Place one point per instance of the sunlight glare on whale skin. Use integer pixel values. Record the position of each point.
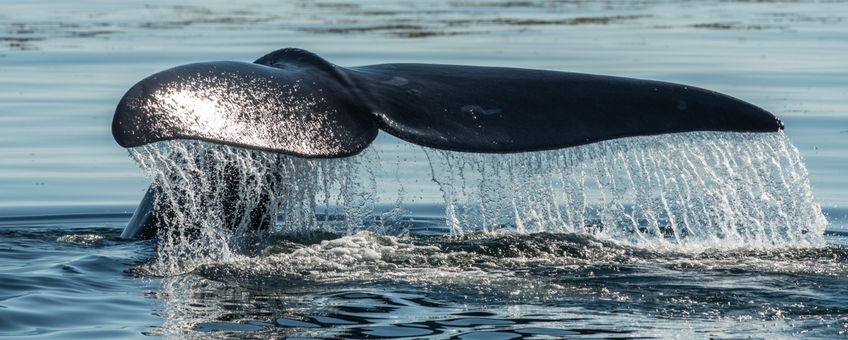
(242, 104)
(223, 108)
(195, 110)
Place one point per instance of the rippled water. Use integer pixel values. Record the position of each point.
(66, 189)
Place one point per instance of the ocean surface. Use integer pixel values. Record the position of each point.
(686, 237)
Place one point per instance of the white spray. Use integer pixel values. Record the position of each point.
(681, 191)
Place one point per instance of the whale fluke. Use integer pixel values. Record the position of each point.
(294, 102)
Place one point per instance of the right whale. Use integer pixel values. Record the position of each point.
(294, 102)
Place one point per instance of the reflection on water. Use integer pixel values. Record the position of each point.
(363, 313)
(371, 285)
(539, 284)
(69, 281)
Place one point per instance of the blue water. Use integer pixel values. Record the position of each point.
(66, 189)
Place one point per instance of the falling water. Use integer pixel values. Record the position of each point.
(680, 191)
(213, 192)
(700, 188)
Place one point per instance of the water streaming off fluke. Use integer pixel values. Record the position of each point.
(700, 188)
(680, 191)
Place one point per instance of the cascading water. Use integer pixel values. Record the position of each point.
(211, 193)
(680, 191)
(699, 188)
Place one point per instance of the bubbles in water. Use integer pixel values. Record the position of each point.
(81, 239)
(676, 191)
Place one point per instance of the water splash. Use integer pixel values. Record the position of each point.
(212, 193)
(713, 189)
(678, 191)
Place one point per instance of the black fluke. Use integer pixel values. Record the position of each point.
(294, 102)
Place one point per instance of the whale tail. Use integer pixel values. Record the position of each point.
(294, 102)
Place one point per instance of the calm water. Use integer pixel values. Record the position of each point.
(66, 189)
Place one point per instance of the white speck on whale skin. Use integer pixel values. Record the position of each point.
(396, 81)
(477, 109)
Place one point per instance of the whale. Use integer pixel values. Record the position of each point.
(292, 101)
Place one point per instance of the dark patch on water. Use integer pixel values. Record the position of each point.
(447, 27)
(599, 20)
(735, 26)
(398, 30)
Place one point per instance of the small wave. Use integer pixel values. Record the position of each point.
(82, 239)
(486, 257)
(317, 279)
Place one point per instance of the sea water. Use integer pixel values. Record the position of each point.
(700, 235)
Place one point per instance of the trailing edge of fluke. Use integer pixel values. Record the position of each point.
(294, 102)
